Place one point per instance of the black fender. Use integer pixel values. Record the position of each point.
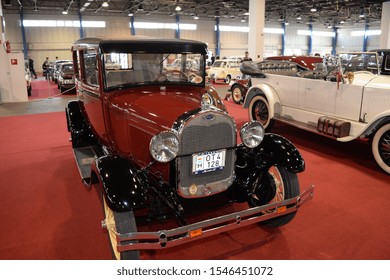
(252, 163)
(122, 184)
(282, 152)
(77, 126)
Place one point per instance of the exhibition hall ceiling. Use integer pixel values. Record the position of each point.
(318, 12)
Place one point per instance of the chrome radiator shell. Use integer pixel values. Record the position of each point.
(208, 130)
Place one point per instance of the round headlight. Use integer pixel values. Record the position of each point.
(164, 146)
(252, 133)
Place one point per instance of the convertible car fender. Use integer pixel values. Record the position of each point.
(121, 183)
(372, 126)
(266, 91)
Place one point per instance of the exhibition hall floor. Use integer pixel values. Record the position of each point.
(47, 213)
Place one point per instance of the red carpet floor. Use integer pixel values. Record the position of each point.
(42, 88)
(47, 214)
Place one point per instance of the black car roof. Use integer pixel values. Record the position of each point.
(142, 44)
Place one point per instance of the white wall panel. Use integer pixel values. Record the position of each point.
(56, 41)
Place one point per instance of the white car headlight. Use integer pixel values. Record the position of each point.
(252, 133)
(164, 146)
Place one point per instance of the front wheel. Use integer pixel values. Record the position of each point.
(119, 222)
(259, 111)
(277, 185)
(237, 93)
(381, 147)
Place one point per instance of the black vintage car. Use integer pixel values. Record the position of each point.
(158, 145)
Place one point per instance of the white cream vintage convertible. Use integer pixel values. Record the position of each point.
(351, 101)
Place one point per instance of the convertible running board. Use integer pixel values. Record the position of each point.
(178, 236)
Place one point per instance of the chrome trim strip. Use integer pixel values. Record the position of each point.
(181, 235)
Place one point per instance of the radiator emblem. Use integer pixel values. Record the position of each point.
(209, 117)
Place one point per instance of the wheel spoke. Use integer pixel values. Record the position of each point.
(384, 148)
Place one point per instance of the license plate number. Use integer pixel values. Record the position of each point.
(208, 161)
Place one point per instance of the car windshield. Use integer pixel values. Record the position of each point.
(219, 63)
(68, 68)
(132, 69)
(352, 62)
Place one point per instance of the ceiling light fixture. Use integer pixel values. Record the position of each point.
(65, 12)
(196, 17)
(177, 8)
(313, 9)
(130, 14)
(105, 4)
(299, 17)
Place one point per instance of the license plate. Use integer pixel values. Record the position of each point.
(208, 161)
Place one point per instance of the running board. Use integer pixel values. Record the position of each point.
(301, 125)
(180, 235)
(84, 158)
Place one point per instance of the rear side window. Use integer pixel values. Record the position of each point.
(91, 75)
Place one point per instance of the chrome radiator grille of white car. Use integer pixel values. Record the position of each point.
(207, 132)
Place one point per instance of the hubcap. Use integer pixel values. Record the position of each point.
(237, 94)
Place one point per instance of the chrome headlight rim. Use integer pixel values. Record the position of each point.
(164, 146)
(252, 134)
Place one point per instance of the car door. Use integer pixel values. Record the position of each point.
(319, 96)
(89, 91)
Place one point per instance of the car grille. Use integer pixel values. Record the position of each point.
(208, 131)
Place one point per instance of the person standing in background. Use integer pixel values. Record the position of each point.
(246, 57)
(45, 67)
(31, 67)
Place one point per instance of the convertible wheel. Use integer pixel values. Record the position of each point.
(119, 222)
(381, 147)
(228, 79)
(237, 94)
(259, 111)
(278, 185)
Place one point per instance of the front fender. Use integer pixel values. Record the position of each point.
(264, 90)
(282, 152)
(122, 184)
(252, 163)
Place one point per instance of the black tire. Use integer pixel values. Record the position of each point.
(280, 185)
(121, 222)
(237, 93)
(228, 79)
(61, 89)
(259, 111)
(29, 90)
(381, 147)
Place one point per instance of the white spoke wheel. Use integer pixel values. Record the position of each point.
(381, 147)
(237, 94)
(259, 111)
(228, 79)
(119, 222)
(279, 185)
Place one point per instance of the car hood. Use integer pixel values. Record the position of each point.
(158, 108)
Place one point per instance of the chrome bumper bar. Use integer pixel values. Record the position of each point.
(177, 236)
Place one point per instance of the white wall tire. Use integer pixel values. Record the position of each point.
(381, 147)
(259, 110)
(119, 222)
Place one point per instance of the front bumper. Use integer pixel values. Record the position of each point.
(178, 236)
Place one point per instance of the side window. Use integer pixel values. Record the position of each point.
(387, 62)
(91, 75)
(76, 63)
